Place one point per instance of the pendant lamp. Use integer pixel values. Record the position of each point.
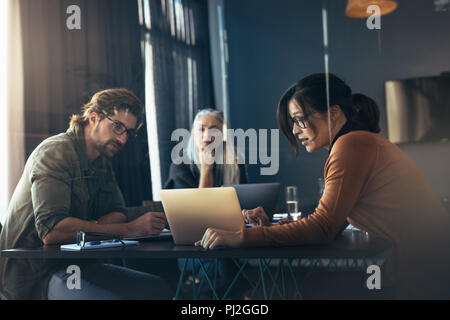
(358, 8)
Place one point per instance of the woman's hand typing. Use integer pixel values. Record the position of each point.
(256, 217)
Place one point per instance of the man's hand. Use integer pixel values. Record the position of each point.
(216, 238)
(148, 223)
(256, 217)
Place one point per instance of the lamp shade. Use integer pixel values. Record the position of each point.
(358, 8)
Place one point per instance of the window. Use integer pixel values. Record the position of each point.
(175, 47)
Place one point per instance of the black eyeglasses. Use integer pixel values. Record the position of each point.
(119, 128)
(299, 121)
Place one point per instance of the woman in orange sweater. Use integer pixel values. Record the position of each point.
(369, 182)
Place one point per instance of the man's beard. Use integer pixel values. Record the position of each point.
(106, 151)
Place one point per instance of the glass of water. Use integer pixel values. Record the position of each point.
(292, 202)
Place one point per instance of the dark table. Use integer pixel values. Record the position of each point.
(350, 244)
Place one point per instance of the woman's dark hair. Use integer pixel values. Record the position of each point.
(310, 93)
(367, 113)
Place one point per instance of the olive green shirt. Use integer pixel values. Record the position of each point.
(57, 182)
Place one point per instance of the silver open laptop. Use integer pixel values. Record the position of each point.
(190, 212)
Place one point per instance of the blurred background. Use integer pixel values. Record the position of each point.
(238, 56)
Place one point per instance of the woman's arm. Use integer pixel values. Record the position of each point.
(346, 174)
(206, 170)
(206, 177)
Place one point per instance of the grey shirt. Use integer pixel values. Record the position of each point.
(57, 182)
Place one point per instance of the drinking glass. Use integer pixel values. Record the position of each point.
(292, 202)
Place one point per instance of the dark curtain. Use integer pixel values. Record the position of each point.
(63, 68)
(177, 31)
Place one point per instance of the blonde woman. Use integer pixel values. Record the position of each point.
(203, 171)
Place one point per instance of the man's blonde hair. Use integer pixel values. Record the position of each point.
(109, 102)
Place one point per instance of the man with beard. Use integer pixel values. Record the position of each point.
(67, 186)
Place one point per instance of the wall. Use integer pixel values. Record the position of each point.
(63, 68)
(274, 43)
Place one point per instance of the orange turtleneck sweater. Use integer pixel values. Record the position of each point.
(373, 185)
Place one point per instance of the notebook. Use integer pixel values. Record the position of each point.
(104, 244)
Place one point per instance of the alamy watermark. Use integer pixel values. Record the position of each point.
(374, 280)
(73, 22)
(374, 21)
(74, 280)
(235, 148)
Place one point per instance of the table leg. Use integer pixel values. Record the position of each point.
(180, 281)
(274, 280)
(241, 268)
(207, 279)
(261, 272)
(194, 292)
(282, 280)
(294, 278)
(244, 274)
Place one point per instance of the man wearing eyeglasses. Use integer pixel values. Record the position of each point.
(68, 186)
